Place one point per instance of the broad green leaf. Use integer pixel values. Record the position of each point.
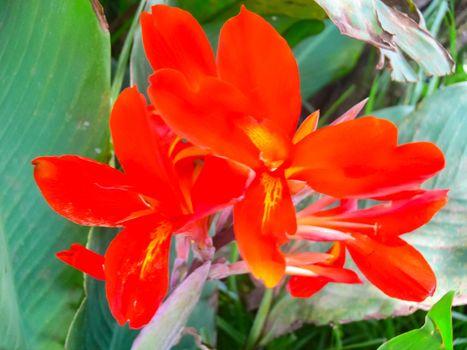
(393, 32)
(165, 328)
(325, 58)
(396, 114)
(436, 333)
(207, 10)
(441, 119)
(301, 30)
(301, 9)
(55, 78)
(94, 327)
(441, 316)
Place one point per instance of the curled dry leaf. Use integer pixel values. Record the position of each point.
(396, 34)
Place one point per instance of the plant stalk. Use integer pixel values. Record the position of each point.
(260, 320)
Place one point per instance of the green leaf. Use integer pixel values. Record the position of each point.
(301, 9)
(301, 30)
(441, 316)
(440, 118)
(94, 327)
(325, 58)
(207, 10)
(165, 328)
(393, 32)
(55, 78)
(202, 319)
(436, 333)
(396, 114)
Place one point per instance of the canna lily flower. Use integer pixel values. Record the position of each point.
(372, 237)
(161, 190)
(244, 105)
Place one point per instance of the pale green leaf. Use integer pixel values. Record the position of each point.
(324, 58)
(165, 328)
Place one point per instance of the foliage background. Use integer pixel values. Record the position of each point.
(61, 67)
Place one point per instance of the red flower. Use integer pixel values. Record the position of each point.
(161, 190)
(374, 242)
(245, 104)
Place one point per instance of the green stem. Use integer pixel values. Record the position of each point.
(260, 320)
(372, 96)
(125, 54)
(337, 332)
(233, 286)
(326, 117)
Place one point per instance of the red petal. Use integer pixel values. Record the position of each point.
(85, 191)
(210, 117)
(336, 274)
(136, 271)
(141, 151)
(401, 217)
(328, 271)
(84, 260)
(399, 270)
(257, 60)
(406, 194)
(360, 158)
(172, 38)
(304, 286)
(219, 184)
(261, 222)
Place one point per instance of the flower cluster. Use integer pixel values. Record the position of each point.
(221, 132)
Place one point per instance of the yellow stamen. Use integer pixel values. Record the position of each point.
(160, 235)
(273, 149)
(174, 143)
(272, 195)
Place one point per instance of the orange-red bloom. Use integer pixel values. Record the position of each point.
(213, 122)
(244, 105)
(161, 190)
(374, 242)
